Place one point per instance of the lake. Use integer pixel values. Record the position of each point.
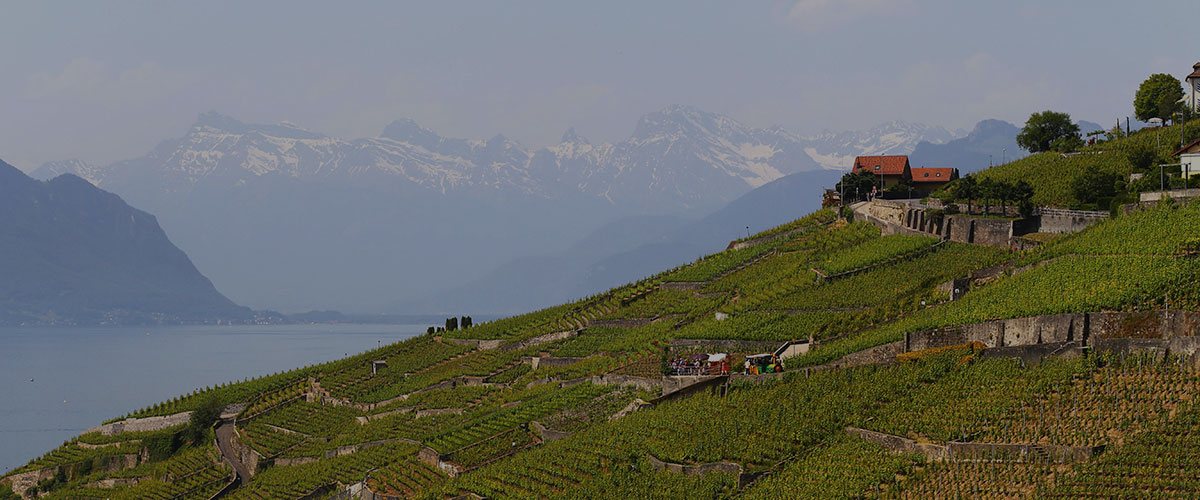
(57, 382)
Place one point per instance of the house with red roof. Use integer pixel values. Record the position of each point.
(889, 169)
(930, 179)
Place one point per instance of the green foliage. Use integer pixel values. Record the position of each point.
(845, 468)
(1066, 143)
(989, 191)
(874, 252)
(1095, 189)
(856, 187)
(1157, 97)
(717, 264)
(1141, 157)
(809, 222)
(162, 447)
(1043, 129)
(203, 418)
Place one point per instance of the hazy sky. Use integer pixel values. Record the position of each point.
(103, 81)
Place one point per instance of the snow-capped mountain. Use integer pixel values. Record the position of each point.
(80, 168)
(836, 150)
(678, 158)
(283, 217)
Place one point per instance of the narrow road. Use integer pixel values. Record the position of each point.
(224, 444)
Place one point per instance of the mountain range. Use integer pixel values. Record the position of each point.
(71, 253)
(287, 218)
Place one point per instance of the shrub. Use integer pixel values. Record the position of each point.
(203, 417)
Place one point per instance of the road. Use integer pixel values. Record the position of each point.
(225, 431)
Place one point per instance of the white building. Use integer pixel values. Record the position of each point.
(1189, 159)
(1193, 83)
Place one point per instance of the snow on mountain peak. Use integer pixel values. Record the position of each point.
(678, 156)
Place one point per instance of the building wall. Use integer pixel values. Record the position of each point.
(1190, 164)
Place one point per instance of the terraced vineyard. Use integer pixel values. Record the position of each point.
(545, 404)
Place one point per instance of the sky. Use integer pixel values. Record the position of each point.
(105, 81)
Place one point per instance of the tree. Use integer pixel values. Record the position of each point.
(1157, 97)
(1041, 129)
(1141, 156)
(987, 191)
(1096, 188)
(1022, 195)
(1066, 144)
(203, 418)
(855, 187)
(965, 189)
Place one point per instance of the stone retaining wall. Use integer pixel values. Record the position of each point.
(535, 362)
(960, 451)
(677, 387)
(621, 323)
(683, 285)
(432, 458)
(695, 470)
(1099, 329)
(145, 424)
(643, 383)
(541, 339)
(1068, 221)
(901, 444)
(245, 454)
(547, 434)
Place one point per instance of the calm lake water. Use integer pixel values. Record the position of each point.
(56, 382)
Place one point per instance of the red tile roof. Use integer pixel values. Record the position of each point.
(881, 165)
(934, 174)
(1195, 72)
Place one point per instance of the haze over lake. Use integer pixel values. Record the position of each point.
(57, 382)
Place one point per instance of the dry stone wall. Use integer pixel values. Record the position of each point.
(146, 424)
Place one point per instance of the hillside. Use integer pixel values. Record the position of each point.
(1060, 367)
(73, 254)
(628, 249)
(1052, 174)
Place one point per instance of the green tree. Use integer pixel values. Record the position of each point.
(987, 192)
(855, 186)
(1066, 144)
(1141, 156)
(1157, 97)
(1022, 196)
(1041, 129)
(203, 418)
(965, 188)
(1096, 188)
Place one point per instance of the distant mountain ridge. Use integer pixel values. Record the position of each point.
(990, 142)
(73, 254)
(630, 248)
(667, 148)
(286, 218)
